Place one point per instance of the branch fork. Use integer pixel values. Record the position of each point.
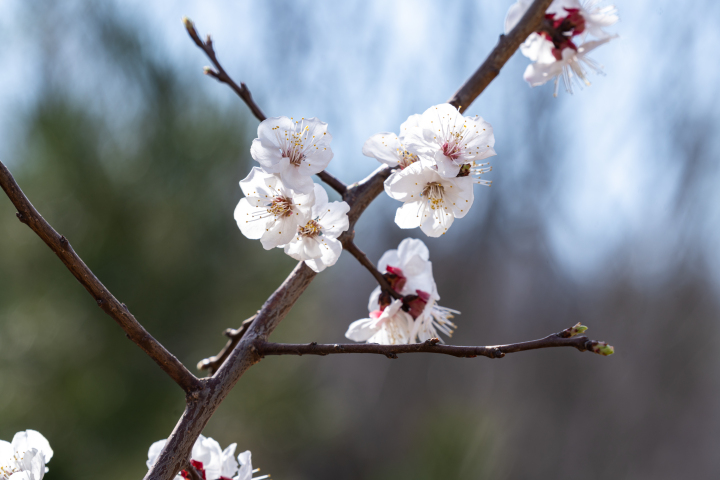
(248, 344)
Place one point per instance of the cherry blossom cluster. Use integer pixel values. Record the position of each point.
(212, 462)
(25, 457)
(415, 317)
(439, 158)
(561, 47)
(282, 207)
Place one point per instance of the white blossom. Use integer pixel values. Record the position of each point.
(556, 49)
(430, 201)
(271, 211)
(246, 471)
(206, 457)
(293, 149)
(389, 326)
(389, 148)
(316, 241)
(25, 457)
(452, 143)
(595, 18)
(571, 67)
(417, 317)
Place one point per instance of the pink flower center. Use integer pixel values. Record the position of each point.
(561, 30)
(395, 278)
(415, 304)
(452, 150)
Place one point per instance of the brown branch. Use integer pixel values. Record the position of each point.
(213, 363)
(243, 92)
(105, 300)
(505, 48)
(221, 75)
(333, 182)
(432, 345)
(350, 246)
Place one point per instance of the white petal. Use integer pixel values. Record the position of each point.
(245, 460)
(436, 223)
(413, 121)
(410, 215)
(273, 129)
(446, 167)
(279, 232)
(29, 439)
(411, 247)
(362, 330)
(515, 13)
(384, 147)
(229, 463)
(334, 219)
(321, 200)
(249, 220)
(295, 179)
(265, 153)
(408, 184)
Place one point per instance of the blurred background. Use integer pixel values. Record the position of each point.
(604, 210)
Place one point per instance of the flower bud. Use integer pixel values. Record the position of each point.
(577, 329)
(602, 348)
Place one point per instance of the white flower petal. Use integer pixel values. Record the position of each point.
(334, 219)
(265, 153)
(384, 147)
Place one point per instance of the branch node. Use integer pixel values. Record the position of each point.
(391, 355)
(497, 353)
(21, 217)
(432, 341)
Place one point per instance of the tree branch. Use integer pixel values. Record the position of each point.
(243, 92)
(350, 246)
(213, 363)
(505, 48)
(105, 300)
(433, 345)
(221, 75)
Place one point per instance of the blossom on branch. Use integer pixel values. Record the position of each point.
(270, 211)
(293, 149)
(416, 317)
(430, 201)
(316, 241)
(389, 148)
(556, 49)
(25, 457)
(210, 461)
(452, 144)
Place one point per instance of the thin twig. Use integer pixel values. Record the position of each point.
(105, 300)
(365, 262)
(432, 345)
(243, 92)
(505, 48)
(213, 363)
(221, 75)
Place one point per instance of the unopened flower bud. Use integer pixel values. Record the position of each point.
(602, 348)
(189, 25)
(577, 329)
